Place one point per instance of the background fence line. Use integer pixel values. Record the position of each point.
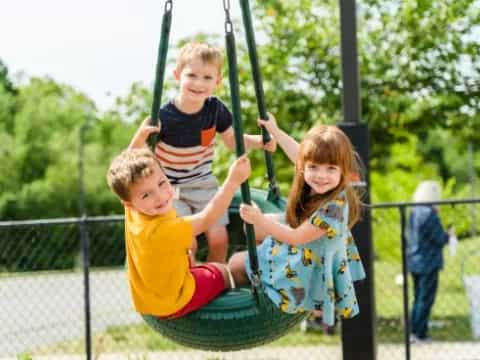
(63, 284)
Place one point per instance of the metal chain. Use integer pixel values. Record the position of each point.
(168, 5)
(228, 21)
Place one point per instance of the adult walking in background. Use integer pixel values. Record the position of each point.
(426, 239)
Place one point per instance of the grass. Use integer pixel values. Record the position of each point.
(450, 317)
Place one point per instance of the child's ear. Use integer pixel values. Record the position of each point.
(219, 79)
(126, 203)
(176, 74)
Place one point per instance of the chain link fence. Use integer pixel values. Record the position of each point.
(55, 295)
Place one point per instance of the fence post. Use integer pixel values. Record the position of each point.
(403, 224)
(86, 283)
(84, 243)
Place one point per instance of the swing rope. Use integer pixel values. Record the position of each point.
(239, 142)
(274, 192)
(160, 69)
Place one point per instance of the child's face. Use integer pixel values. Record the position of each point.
(197, 80)
(152, 195)
(322, 177)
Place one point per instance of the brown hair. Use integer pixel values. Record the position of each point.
(323, 144)
(127, 168)
(199, 51)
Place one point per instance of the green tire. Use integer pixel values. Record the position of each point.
(235, 320)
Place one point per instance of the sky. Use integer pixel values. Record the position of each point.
(99, 47)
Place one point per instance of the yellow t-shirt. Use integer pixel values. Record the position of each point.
(158, 268)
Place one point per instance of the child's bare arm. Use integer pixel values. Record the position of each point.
(251, 141)
(260, 233)
(140, 137)
(303, 234)
(256, 142)
(238, 173)
(288, 144)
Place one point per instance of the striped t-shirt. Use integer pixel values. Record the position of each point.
(186, 141)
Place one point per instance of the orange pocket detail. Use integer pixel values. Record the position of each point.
(207, 136)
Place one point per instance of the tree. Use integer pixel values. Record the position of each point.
(5, 81)
(419, 63)
(41, 152)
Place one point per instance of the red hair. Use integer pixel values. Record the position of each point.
(323, 144)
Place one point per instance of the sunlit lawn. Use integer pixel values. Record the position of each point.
(451, 315)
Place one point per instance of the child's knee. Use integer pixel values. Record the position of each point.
(233, 261)
(227, 279)
(236, 264)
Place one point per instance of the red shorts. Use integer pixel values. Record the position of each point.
(209, 283)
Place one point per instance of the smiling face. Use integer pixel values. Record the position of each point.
(321, 178)
(197, 81)
(151, 195)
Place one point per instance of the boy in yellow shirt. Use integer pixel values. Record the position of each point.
(161, 278)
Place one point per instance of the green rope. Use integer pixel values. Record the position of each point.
(240, 147)
(274, 192)
(160, 69)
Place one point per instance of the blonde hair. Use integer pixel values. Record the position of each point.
(199, 51)
(427, 191)
(127, 168)
(323, 144)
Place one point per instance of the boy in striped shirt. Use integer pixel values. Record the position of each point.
(188, 125)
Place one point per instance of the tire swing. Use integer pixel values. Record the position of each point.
(240, 318)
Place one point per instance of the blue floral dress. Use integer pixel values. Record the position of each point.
(318, 275)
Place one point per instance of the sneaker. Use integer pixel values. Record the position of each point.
(303, 326)
(414, 339)
(425, 340)
(311, 325)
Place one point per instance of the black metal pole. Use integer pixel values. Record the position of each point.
(84, 241)
(403, 224)
(350, 77)
(358, 334)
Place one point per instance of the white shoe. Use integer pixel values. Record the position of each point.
(414, 339)
(304, 326)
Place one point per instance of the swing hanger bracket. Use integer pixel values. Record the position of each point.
(228, 21)
(168, 6)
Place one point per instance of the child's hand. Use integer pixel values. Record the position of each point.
(250, 214)
(270, 124)
(240, 170)
(139, 140)
(271, 146)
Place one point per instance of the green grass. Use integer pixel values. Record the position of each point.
(451, 314)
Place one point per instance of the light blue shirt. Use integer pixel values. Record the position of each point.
(318, 275)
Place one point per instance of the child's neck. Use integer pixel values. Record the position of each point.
(186, 106)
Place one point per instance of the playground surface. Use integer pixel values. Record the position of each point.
(430, 351)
